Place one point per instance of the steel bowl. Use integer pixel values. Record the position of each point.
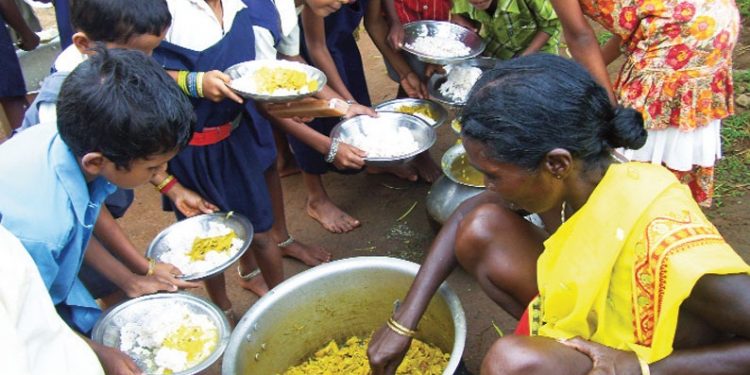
(197, 226)
(107, 329)
(438, 79)
(454, 152)
(249, 67)
(446, 30)
(335, 301)
(393, 105)
(358, 127)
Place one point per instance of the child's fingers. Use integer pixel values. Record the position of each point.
(228, 93)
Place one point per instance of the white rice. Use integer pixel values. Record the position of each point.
(459, 83)
(180, 247)
(246, 83)
(384, 141)
(142, 340)
(439, 46)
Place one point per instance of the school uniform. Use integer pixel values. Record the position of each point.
(49, 206)
(11, 78)
(233, 144)
(339, 29)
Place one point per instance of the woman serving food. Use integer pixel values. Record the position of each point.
(635, 280)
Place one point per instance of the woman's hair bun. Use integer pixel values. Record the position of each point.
(626, 129)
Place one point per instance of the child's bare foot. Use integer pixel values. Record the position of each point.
(287, 167)
(331, 217)
(255, 284)
(407, 172)
(427, 168)
(310, 255)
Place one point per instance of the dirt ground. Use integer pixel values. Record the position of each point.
(380, 233)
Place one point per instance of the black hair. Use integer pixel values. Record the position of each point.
(123, 104)
(119, 20)
(530, 105)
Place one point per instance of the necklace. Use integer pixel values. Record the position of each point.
(562, 212)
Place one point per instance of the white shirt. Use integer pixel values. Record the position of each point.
(289, 44)
(35, 340)
(195, 26)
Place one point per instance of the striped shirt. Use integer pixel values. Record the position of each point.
(418, 10)
(513, 26)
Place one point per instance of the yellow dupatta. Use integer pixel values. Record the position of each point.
(618, 270)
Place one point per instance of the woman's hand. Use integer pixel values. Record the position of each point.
(413, 86)
(215, 87)
(359, 109)
(189, 202)
(607, 361)
(113, 361)
(386, 351)
(349, 157)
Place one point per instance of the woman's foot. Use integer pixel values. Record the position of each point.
(253, 282)
(310, 255)
(407, 171)
(331, 217)
(427, 169)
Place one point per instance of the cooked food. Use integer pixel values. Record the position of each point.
(460, 81)
(351, 359)
(456, 126)
(462, 170)
(276, 81)
(423, 111)
(197, 254)
(439, 47)
(383, 141)
(169, 340)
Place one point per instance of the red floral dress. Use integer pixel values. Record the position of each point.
(678, 68)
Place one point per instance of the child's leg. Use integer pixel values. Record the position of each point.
(308, 254)
(14, 107)
(321, 208)
(268, 257)
(285, 163)
(217, 291)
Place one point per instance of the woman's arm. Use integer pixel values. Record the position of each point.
(315, 40)
(611, 49)
(582, 41)
(387, 349)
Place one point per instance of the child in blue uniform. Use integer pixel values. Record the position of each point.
(109, 133)
(232, 145)
(135, 24)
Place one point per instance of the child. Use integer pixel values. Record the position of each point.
(511, 27)
(232, 147)
(136, 24)
(12, 86)
(109, 133)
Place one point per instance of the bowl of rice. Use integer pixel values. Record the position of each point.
(429, 111)
(391, 138)
(275, 80)
(441, 42)
(203, 245)
(166, 333)
(453, 87)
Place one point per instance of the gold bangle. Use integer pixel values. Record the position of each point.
(645, 370)
(164, 183)
(199, 84)
(399, 328)
(151, 266)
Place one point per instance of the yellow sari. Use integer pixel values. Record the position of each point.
(618, 270)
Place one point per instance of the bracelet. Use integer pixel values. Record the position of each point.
(199, 83)
(182, 81)
(250, 275)
(151, 266)
(399, 329)
(645, 370)
(286, 242)
(192, 89)
(333, 150)
(164, 183)
(168, 186)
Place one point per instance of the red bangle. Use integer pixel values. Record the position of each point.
(168, 186)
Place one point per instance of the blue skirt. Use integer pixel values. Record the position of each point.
(11, 77)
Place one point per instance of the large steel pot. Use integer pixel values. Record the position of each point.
(448, 192)
(348, 297)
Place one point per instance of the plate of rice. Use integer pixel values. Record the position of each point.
(275, 80)
(203, 245)
(391, 138)
(453, 87)
(167, 333)
(441, 42)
